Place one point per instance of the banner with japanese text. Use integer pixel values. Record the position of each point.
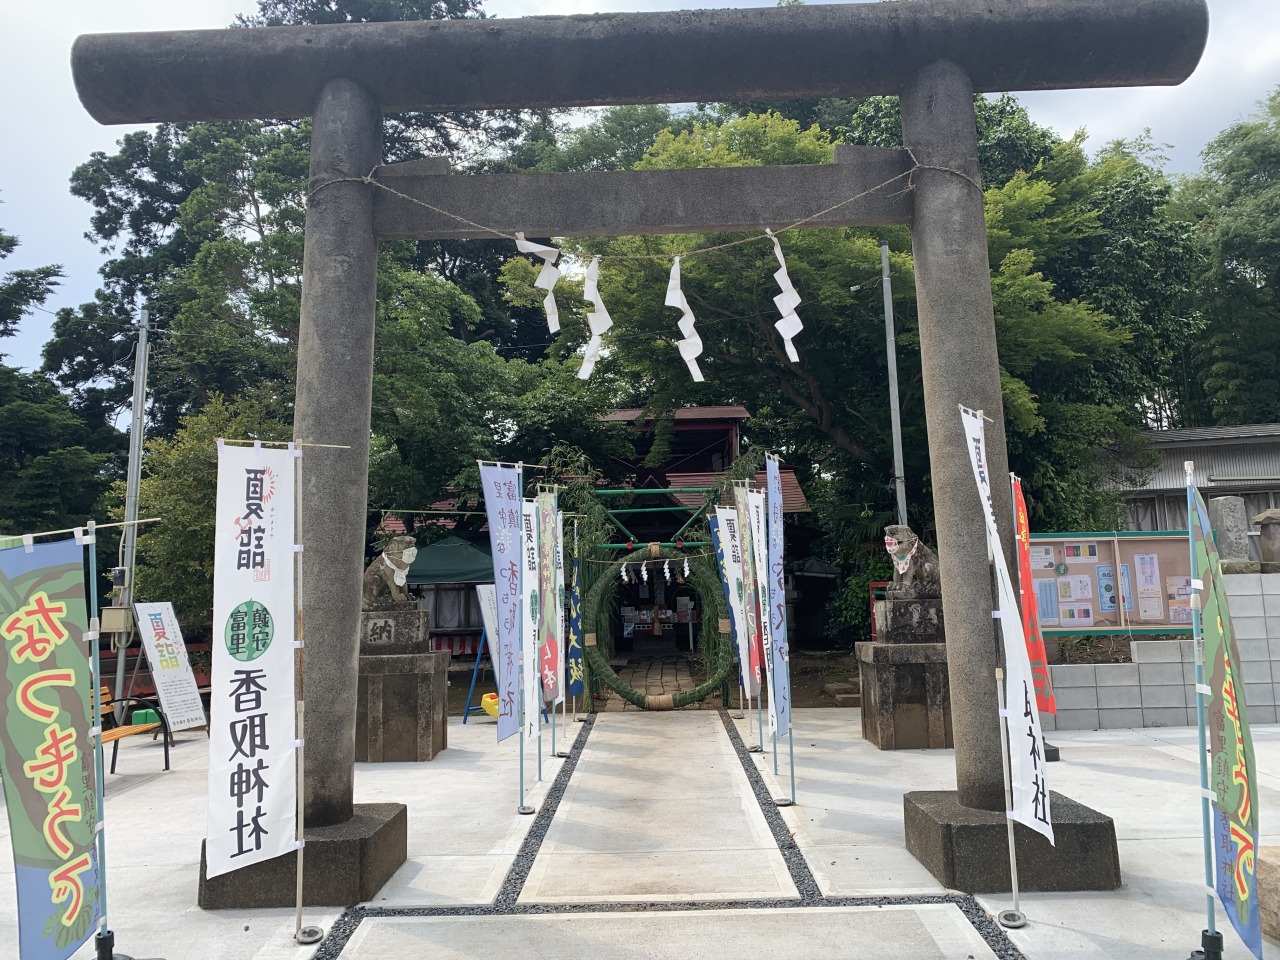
(170, 668)
(750, 595)
(1036, 652)
(575, 626)
(46, 756)
(1233, 776)
(759, 554)
(529, 607)
(252, 729)
(780, 654)
(731, 541)
(548, 621)
(503, 485)
(1022, 717)
(559, 598)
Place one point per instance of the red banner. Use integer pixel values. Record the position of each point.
(1030, 615)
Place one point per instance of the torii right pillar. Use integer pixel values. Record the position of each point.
(961, 835)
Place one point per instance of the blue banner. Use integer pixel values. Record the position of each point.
(503, 492)
(779, 665)
(46, 757)
(574, 650)
(722, 569)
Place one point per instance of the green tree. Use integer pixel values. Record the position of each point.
(1233, 374)
(20, 290)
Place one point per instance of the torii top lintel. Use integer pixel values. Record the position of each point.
(729, 55)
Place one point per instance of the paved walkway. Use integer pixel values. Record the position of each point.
(654, 676)
(659, 837)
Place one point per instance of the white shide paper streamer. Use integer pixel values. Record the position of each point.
(546, 278)
(598, 319)
(691, 345)
(786, 302)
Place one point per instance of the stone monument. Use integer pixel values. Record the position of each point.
(933, 54)
(903, 674)
(402, 693)
(1230, 521)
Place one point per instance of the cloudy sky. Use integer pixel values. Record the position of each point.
(46, 133)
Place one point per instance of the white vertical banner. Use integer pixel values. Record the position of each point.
(780, 660)
(732, 545)
(502, 485)
(548, 620)
(529, 619)
(170, 668)
(760, 555)
(559, 596)
(1026, 739)
(252, 766)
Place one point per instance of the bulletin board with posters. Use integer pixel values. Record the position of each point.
(1115, 582)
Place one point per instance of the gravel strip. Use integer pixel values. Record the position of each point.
(801, 875)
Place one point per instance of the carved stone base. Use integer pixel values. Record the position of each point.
(401, 707)
(908, 621)
(906, 703)
(395, 628)
(968, 849)
(345, 864)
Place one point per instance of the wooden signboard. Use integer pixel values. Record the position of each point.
(1112, 582)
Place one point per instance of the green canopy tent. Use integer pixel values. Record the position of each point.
(452, 560)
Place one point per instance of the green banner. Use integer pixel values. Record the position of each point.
(1232, 772)
(46, 757)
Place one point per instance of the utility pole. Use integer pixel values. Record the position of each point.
(891, 350)
(129, 543)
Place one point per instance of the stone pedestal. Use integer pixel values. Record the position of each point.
(908, 621)
(395, 628)
(1269, 540)
(346, 864)
(1268, 873)
(968, 849)
(401, 707)
(905, 700)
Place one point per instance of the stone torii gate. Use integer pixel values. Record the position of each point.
(934, 54)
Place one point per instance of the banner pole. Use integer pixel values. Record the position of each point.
(791, 750)
(310, 933)
(760, 717)
(775, 753)
(523, 808)
(1015, 917)
(1210, 937)
(105, 940)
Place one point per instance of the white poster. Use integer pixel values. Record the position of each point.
(503, 485)
(1026, 740)
(170, 668)
(732, 542)
(1075, 588)
(1080, 552)
(532, 706)
(760, 553)
(1042, 556)
(1148, 565)
(780, 660)
(1076, 614)
(252, 772)
(1047, 601)
(1150, 608)
(488, 595)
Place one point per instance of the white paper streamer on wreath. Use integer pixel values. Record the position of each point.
(786, 302)
(644, 572)
(546, 278)
(686, 568)
(625, 578)
(691, 345)
(666, 571)
(598, 319)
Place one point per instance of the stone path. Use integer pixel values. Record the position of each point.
(654, 675)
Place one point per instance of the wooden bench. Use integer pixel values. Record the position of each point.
(115, 734)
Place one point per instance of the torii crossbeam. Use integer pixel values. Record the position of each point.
(934, 54)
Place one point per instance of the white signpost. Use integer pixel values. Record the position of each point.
(170, 668)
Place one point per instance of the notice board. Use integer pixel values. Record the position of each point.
(1112, 582)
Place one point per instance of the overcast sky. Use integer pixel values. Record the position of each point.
(46, 132)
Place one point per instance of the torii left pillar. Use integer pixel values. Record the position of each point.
(352, 849)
